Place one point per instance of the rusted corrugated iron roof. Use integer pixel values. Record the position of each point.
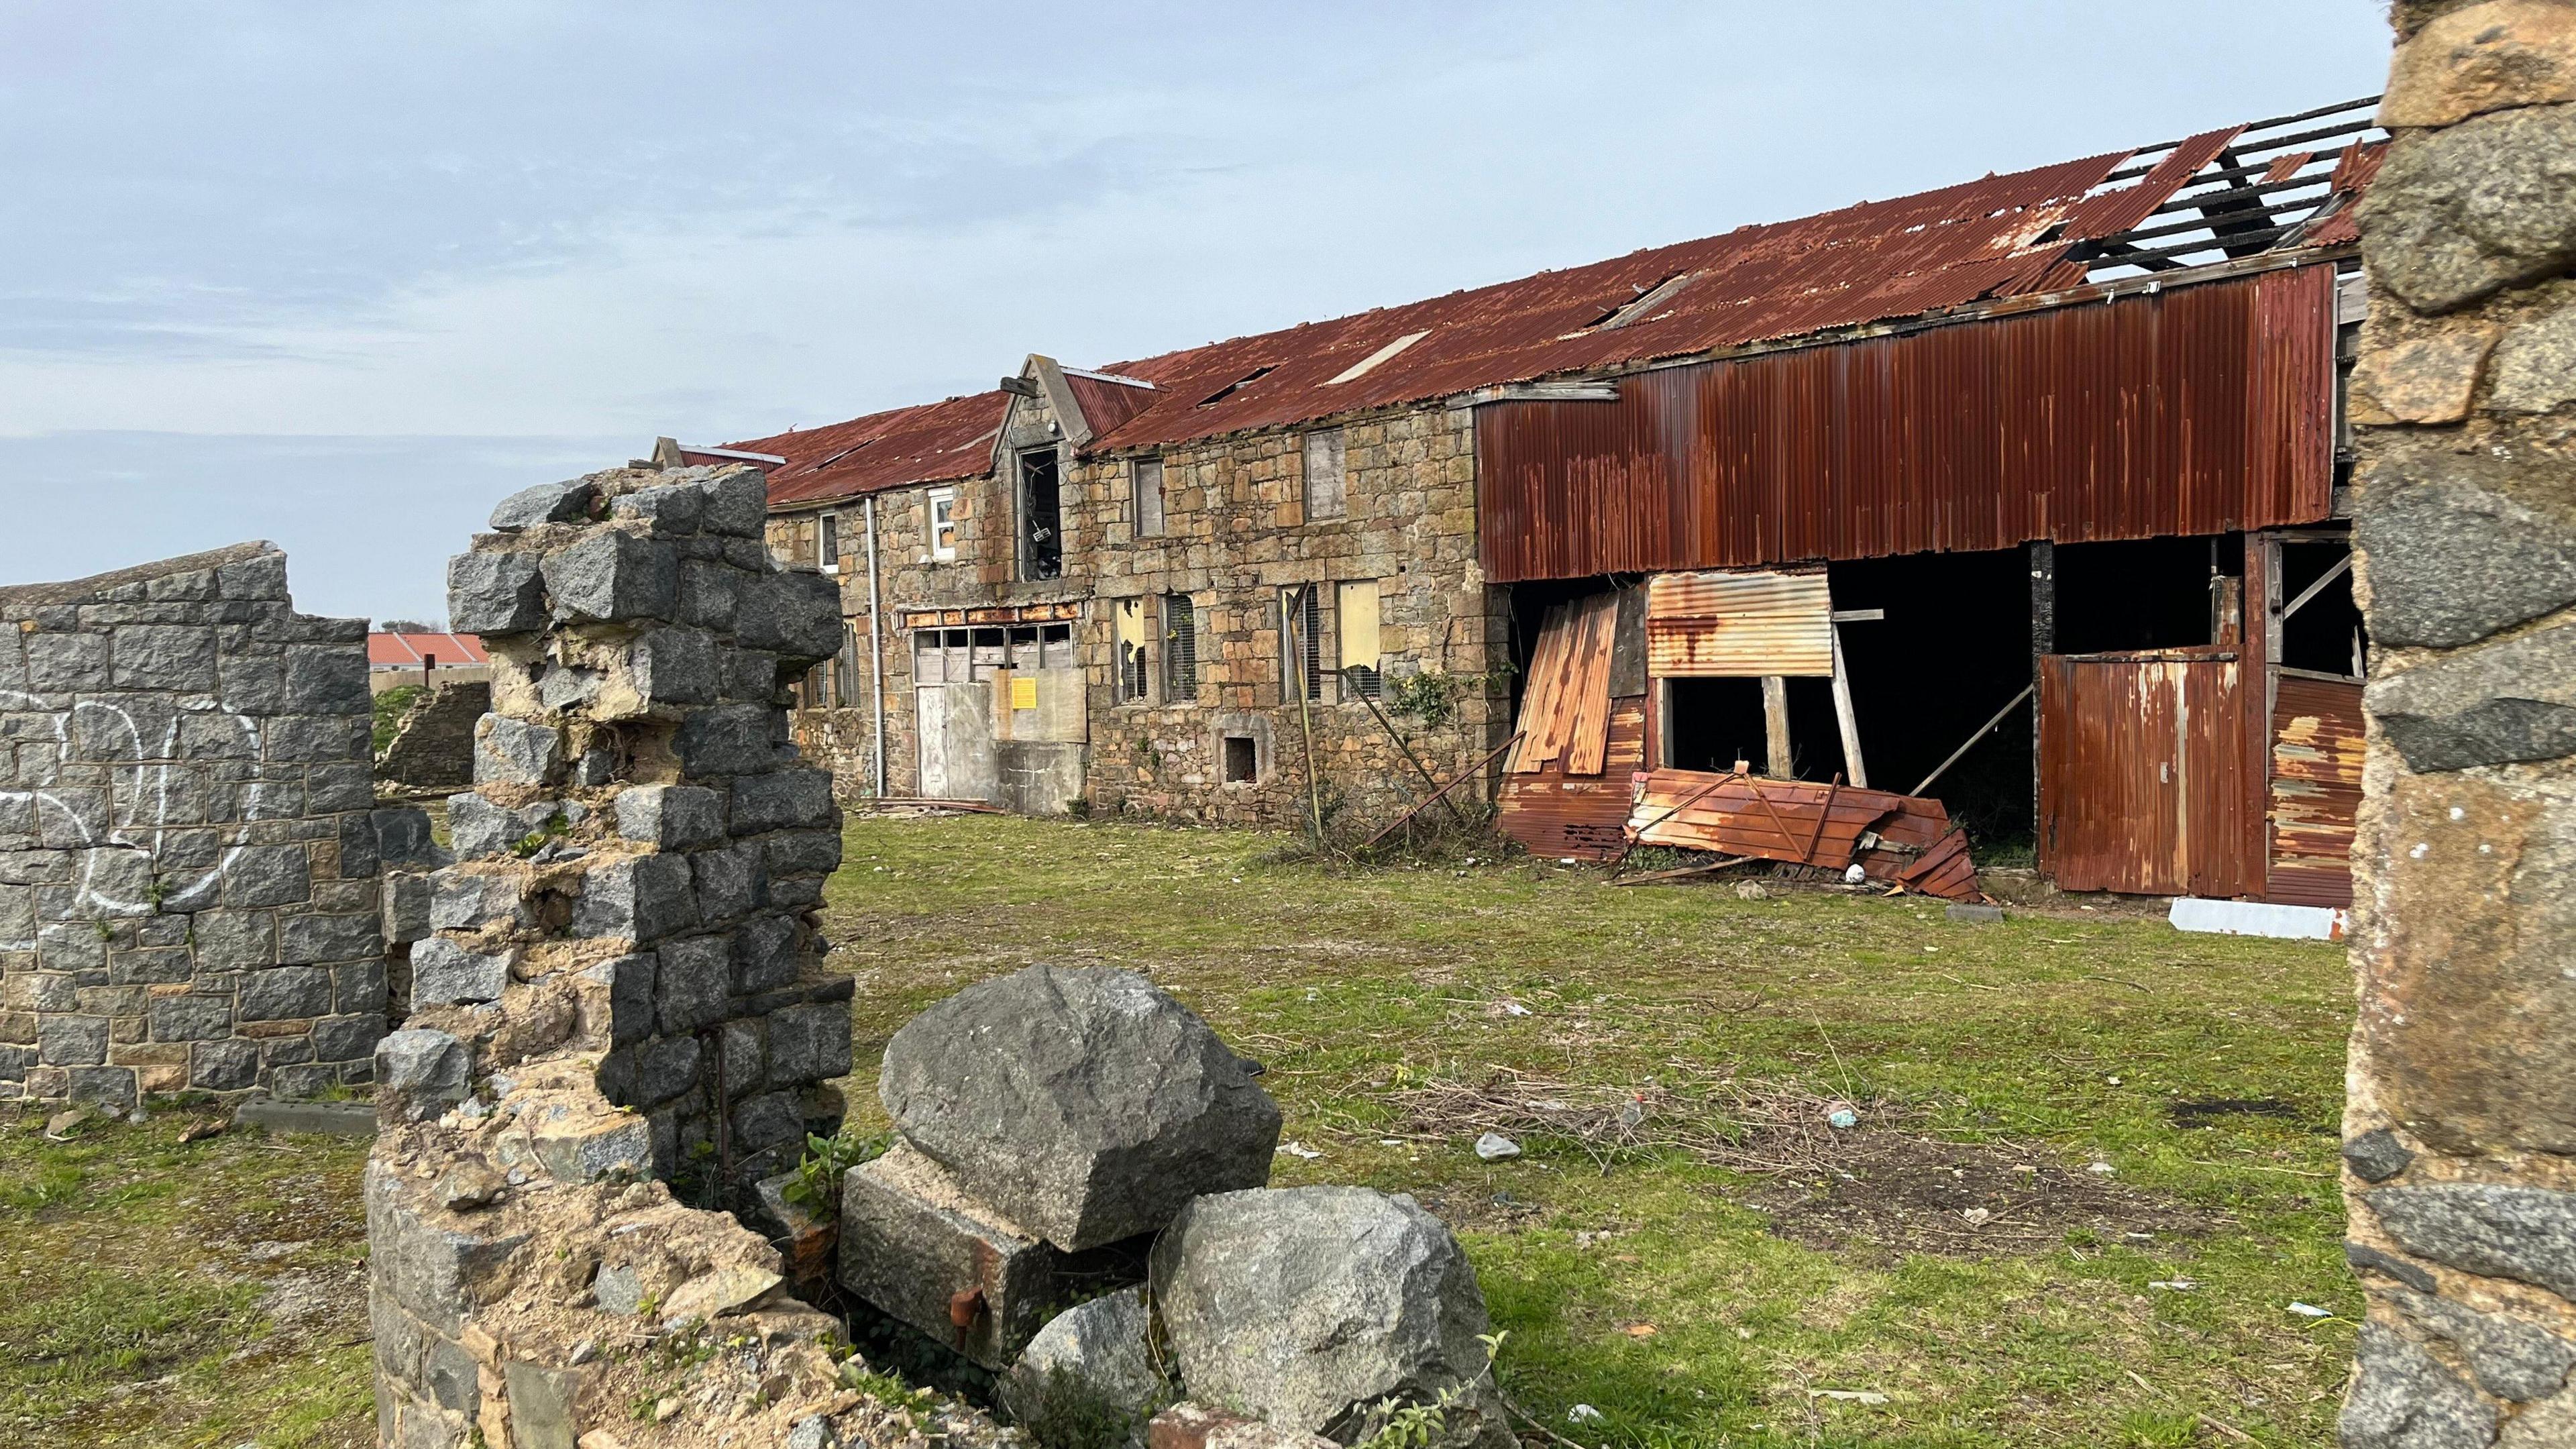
(932, 443)
(2158, 208)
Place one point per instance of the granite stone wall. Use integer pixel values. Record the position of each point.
(617, 1013)
(187, 858)
(2461, 1112)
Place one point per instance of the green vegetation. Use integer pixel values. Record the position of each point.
(391, 706)
(163, 1293)
(1650, 1272)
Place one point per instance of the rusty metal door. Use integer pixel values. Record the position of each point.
(2141, 773)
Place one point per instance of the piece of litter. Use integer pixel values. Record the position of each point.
(2174, 1285)
(2310, 1310)
(1514, 1008)
(1494, 1146)
(1565, 860)
(1848, 1396)
(1854, 875)
(2114, 1081)
(1390, 1142)
(1583, 1414)
(2100, 1169)
(1299, 1149)
(1843, 1117)
(1977, 1217)
(1638, 1330)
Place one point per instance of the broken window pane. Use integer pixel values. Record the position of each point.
(1041, 516)
(1324, 474)
(1355, 615)
(1056, 646)
(1130, 620)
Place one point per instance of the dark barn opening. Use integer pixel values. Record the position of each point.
(2325, 632)
(2149, 593)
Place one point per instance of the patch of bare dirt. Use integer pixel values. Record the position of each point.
(1906, 1194)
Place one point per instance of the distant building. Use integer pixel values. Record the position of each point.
(394, 660)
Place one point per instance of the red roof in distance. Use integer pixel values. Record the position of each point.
(409, 651)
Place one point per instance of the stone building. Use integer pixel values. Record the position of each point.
(1986, 486)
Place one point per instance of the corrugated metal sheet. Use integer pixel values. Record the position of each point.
(1742, 625)
(1894, 838)
(2316, 760)
(2141, 774)
(1584, 817)
(933, 443)
(2202, 409)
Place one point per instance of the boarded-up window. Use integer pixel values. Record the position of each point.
(827, 540)
(943, 523)
(1149, 498)
(1355, 618)
(1301, 655)
(1132, 676)
(1324, 497)
(1743, 625)
(1180, 650)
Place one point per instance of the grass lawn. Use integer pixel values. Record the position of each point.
(1719, 1266)
(159, 1293)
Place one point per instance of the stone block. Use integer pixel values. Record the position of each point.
(347, 1038)
(566, 502)
(1092, 1358)
(443, 972)
(706, 593)
(406, 907)
(236, 940)
(629, 980)
(403, 839)
(795, 614)
(438, 1273)
(2527, 1234)
(2403, 1398)
(666, 1068)
(71, 1041)
(764, 953)
(357, 855)
(515, 752)
(2460, 213)
(803, 852)
(737, 503)
(2490, 57)
(495, 593)
(2493, 705)
(2511, 1358)
(222, 1066)
(326, 679)
(262, 577)
(190, 1018)
(673, 508)
(420, 1073)
(2535, 365)
(693, 981)
(2376, 1156)
(66, 661)
(728, 739)
(641, 898)
(730, 883)
(305, 938)
(613, 576)
(921, 1248)
(463, 902)
(318, 739)
(177, 657)
(578, 1142)
(286, 993)
(791, 799)
(268, 875)
(358, 986)
(671, 817)
(809, 1043)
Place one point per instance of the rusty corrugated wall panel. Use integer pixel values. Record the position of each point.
(1739, 625)
(1584, 817)
(2316, 790)
(2141, 774)
(2204, 409)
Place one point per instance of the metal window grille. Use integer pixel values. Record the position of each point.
(1301, 612)
(1180, 649)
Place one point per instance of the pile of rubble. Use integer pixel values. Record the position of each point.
(1077, 1201)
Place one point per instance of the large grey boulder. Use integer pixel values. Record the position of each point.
(1307, 1306)
(1091, 1366)
(1085, 1104)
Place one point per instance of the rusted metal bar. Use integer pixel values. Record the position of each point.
(1711, 868)
(1776, 822)
(1824, 813)
(1982, 731)
(1471, 772)
(1406, 750)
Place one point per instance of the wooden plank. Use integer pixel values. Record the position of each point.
(1844, 720)
(1775, 727)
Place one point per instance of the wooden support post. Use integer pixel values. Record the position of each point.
(2043, 642)
(1844, 717)
(1775, 726)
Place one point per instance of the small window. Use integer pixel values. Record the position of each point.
(1301, 656)
(1149, 498)
(1055, 643)
(1041, 514)
(827, 540)
(1242, 760)
(1132, 675)
(1324, 498)
(943, 523)
(1180, 649)
(1355, 621)
(845, 668)
(927, 657)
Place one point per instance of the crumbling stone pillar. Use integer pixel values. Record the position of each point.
(614, 988)
(187, 859)
(2461, 1115)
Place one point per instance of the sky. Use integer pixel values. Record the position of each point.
(342, 276)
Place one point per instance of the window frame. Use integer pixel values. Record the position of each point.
(1321, 505)
(1373, 684)
(827, 540)
(1180, 663)
(933, 503)
(1145, 481)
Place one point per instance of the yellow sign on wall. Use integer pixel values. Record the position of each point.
(1024, 692)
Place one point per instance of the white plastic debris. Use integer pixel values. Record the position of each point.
(1299, 1149)
(1514, 1008)
(1854, 875)
(1849, 1396)
(1583, 1414)
(1977, 1217)
(2175, 1285)
(2100, 1169)
(2310, 1310)
(1843, 1117)
(1494, 1147)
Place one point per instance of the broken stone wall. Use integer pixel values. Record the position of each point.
(615, 990)
(187, 863)
(433, 744)
(2461, 1111)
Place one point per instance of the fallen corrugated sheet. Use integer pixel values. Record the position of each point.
(1894, 838)
(1564, 715)
(2316, 790)
(1743, 625)
(1560, 816)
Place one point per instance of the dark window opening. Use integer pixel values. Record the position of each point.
(1717, 722)
(1180, 649)
(2153, 593)
(2325, 633)
(1041, 516)
(1242, 760)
